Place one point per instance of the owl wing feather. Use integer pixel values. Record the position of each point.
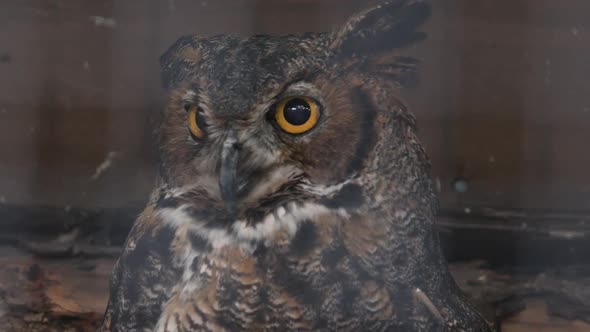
(142, 277)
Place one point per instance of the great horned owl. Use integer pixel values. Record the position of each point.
(293, 193)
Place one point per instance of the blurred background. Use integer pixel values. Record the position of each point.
(503, 108)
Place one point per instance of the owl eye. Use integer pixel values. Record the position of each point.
(297, 115)
(196, 121)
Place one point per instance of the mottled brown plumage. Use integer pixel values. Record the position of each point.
(252, 228)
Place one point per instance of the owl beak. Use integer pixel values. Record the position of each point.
(228, 184)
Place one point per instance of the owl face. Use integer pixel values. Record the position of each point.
(249, 117)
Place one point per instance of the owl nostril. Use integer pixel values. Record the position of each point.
(231, 141)
(237, 146)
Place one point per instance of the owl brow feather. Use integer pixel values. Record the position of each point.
(301, 77)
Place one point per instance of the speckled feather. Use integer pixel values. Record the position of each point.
(333, 229)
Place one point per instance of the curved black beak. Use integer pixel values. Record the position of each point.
(228, 182)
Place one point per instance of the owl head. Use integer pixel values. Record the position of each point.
(250, 121)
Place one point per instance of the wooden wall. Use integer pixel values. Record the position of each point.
(503, 104)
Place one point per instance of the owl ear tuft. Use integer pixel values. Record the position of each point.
(180, 60)
(390, 25)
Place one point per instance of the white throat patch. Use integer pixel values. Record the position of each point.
(241, 233)
(286, 218)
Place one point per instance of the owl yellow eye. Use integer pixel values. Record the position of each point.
(297, 115)
(196, 122)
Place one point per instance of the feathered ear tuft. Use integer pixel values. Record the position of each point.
(399, 69)
(392, 24)
(180, 60)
